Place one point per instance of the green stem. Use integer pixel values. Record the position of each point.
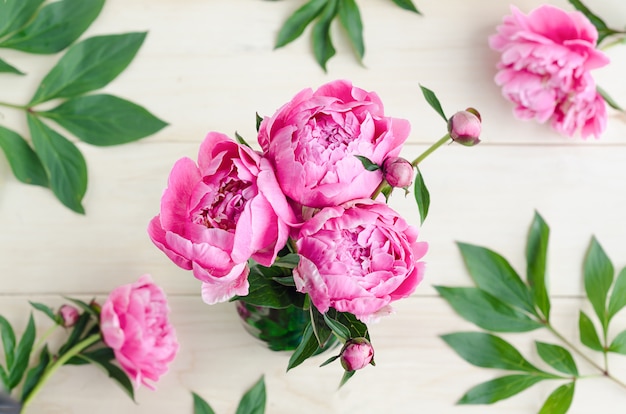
(431, 149)
(45, 336)
(51, 369)
(9, 105)
(604, 372)
(378, 189)
(617, 41)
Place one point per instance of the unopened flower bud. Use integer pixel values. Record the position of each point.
(398, 172)
(69, 315)
(95, 306)
(464, 127)
(356, 354)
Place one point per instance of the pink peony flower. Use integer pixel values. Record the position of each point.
(69, 315)
(218, 214)
(313, 141)
(544, 69)
(134, 323)
(356, 354)
(358, 258)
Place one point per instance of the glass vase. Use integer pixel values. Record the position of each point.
(279, 329)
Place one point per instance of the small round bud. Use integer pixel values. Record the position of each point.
(398, 172)
(465, 126)
(95, 306)
(69, 315)
(356, 354)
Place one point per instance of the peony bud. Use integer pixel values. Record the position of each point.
(464, 127)
(69, 315)
(398, 172)
(356, 354)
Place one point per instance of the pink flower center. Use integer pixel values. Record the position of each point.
(327, 140)
(221, 208)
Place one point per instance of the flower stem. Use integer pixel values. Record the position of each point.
(45, 336)
(605, 372)
(51, 369)
(10, 105)
(431, 149)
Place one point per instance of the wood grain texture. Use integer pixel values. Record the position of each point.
(209, 65)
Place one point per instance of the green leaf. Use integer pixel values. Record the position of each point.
(407, 5)
(63, 162)
(329, 360)
(16, 13)
(4, 378)
(557, 357)
(22, 354)
(350, 19)
(422, 195)
(560, 400)
(55, 27)
(598, 271)
(289, 261)
(608, 99)
(322, 45)
(339, 329)
(499, 389)
(588, 334)
(321, 330)
(433, 101)
(297, 22)
(259, 119)
(619, 344)
(346, 376)
(307, 348)
(47, 310)
(488, 351)
(200, 406)
(104, 119)
(536, 256)
(265, 291)
(8, 341)
(368, 164)
(253, 401)
(241, 140)
(89, 65)
(7, 68)
(24, 162)
(34, 374)
(493, 274)
(76, 334)
(357, 328)
(115, 373)
(100, 354)
(617, 300)
(486, 311)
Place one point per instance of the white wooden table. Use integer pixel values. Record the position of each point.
(209, 65)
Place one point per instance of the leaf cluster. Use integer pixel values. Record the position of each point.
(50, 159)
(501, 301)
(252, 402)
(274, 287)
(320, 14)
(22, 366)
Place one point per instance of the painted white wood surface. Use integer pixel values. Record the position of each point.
(209, 65)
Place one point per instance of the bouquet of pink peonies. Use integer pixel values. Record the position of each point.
(130, 337)
(301, 228)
